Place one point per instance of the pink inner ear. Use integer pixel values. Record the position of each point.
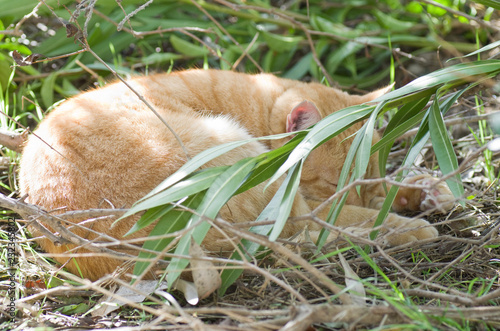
(302, 116)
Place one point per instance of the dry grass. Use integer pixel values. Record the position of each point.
(436, 283)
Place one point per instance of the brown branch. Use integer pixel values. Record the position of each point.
(92, 213)
(128, 16)
(16, 33)
(451, 121)
(33, 213)
(295, 258)
(327, 313)
(99, 288)
(210, 49)
(306, 315)
(17, 29)
(458, 299)
(12, 140)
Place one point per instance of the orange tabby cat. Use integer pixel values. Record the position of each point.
(107, 149)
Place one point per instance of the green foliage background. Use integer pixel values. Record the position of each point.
(356, 42)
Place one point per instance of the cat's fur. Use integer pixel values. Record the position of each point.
(107, 149)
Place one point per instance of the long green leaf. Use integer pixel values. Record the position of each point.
(149, 217)
(202, 158)
(170, 222)
(443, 149)
(197, 182)
(271, 212)
(404, 119)
(217, 196)
(47, 90)
(490, 3)
(325, 129)
(364, 150)
(270, 162)
(456, 75)
(188, 48)
(482, 49)
(292, 185)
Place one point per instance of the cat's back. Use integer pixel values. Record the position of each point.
(106, 146)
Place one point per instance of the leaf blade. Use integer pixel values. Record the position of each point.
(217, 195)
(444, 151)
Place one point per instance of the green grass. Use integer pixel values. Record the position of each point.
(354, 45)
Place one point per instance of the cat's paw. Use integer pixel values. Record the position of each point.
(435, 195)
(401, 230)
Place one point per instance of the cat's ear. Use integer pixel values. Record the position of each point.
(302, 116)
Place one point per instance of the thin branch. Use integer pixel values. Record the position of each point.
(375, 315)
(210, 49)
(16, 33)
(92, 213)
(244, 54)
(127, 17)
(17, 29)
(461, 299)
(32, 212)
(295, 258)
(452, 121)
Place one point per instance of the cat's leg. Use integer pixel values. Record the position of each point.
(434, 195)
(419, 193)
(396, 229)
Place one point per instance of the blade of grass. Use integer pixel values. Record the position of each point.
(364, 150)
(273, 211)
(325, 129)
(291, 186)
(170, 222)
(443, 149)
(202, 158)
(198, 182)
(217, 196)
(454, 75)
(404, 119)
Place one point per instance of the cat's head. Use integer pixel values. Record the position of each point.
(306, 113)
(323, 166)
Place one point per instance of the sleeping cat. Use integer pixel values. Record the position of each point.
(105, 149)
